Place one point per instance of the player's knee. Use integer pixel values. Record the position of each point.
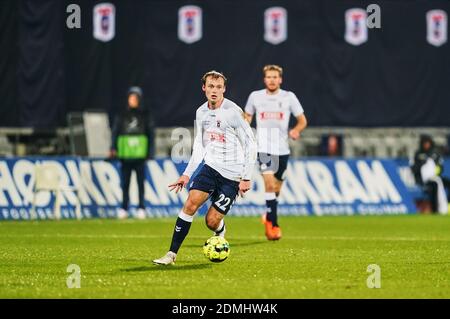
(190, 207)
(270, 187)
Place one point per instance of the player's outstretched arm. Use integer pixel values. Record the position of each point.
(198, 151)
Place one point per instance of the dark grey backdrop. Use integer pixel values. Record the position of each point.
(394, 79)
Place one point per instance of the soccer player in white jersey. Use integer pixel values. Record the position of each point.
(273, 107)
(225, 141)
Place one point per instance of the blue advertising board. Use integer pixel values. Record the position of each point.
(315, 186)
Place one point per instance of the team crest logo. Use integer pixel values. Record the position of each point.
(436, 27)
(355, 26)
(190, 24)
(275, 25)
(218, 123)
(104, 22)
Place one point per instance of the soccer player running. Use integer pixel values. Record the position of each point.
(273, 107)
(225, 141)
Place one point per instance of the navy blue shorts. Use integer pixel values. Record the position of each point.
(222, 191)
(276, 164)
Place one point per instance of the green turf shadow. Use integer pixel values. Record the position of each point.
(167, 268)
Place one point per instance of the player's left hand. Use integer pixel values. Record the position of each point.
(179, 184)
(244, 186)
(294, 134)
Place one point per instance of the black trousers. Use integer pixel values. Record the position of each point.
(432, 189)
(127, 167)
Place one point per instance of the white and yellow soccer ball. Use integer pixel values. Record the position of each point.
(216, 249)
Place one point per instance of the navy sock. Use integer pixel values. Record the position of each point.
(272, 211)
(179, 234)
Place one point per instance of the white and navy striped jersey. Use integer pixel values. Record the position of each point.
(224, 140)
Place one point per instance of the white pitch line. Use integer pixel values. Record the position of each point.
(287, 237)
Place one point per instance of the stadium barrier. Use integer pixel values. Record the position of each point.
(315, 186)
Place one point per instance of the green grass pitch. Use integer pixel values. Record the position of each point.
(318, 257)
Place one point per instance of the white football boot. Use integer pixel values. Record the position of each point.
(167, 259)
(140, 213)
(122, 214)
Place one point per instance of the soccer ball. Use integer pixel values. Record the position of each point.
(216, 249)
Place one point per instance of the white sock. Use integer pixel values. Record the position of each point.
(270, 196)
(220, 225)
(222, 233)
(186, 217)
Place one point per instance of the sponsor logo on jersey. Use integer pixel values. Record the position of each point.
(436, 27)
(214, 136)
(355, 26)
(190, 24)
(275, 25)
(104, 22)
(272, 115)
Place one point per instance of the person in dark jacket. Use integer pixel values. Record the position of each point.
(430, 177)
(133, 144)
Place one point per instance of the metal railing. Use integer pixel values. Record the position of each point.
(356, 142)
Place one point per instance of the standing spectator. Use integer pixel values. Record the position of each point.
(133, 144)
(427, 169)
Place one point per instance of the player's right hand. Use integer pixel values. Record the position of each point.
(294, 134)
(179, 184)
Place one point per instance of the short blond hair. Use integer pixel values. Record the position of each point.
(273, 67)
(214, 75)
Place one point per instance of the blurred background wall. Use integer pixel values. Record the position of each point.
(368, 93)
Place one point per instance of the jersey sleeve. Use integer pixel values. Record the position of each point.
(250, 106)
(296, 107)
(248, 142)
(198, 151)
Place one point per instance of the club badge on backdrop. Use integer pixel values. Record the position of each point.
(275, 25)
(436, 27)
(190, 24)
(104, 22)
(355, 26)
